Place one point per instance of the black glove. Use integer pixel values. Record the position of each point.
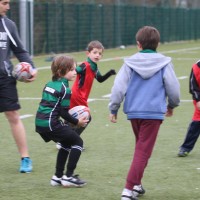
(106, 76)
(112, 72)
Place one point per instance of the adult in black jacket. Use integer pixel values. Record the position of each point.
(10, 42)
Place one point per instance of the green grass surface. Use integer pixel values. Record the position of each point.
(109, 147)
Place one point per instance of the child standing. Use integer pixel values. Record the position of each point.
(86, 73)
(54, 106)
(194, 127)
(145, 81)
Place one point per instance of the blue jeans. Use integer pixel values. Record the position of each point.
(191, 136)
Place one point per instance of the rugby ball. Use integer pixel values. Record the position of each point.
(122, 47)
(80, 111)
(22, 71)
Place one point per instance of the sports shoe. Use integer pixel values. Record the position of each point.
(72, 181)
(127, 195)
(183, 153)
(55, 181)
(26, 165)
(138, 190)
(58, 146)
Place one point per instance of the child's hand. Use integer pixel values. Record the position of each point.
(33, 76)
(112, 72)
(82, 122)
(113, 118)
(198, 105)
(169, 112)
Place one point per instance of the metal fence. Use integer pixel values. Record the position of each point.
(62, 27)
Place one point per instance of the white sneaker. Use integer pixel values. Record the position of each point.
(138, 190)
(55, 181)
(58, 146)
(127, 195)
(72, 181)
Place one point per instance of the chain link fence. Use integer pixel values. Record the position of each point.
(67, 27)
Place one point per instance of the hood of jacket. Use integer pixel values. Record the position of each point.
(147, 64)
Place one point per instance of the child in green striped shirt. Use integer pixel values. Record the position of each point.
(50, 117)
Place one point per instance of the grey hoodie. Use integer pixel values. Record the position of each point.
(148, 83)
(10, 41)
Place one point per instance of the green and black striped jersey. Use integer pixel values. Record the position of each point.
(54, 106)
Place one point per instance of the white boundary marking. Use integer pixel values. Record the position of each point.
(26, 116)
(106, 97)
(29, 98)
(122, 57)
(182, 77)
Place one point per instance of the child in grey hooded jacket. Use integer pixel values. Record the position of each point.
(148, 85)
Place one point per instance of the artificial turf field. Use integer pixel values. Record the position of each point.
(109, 147)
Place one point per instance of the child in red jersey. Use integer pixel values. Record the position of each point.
(193, 132)
(86, 73)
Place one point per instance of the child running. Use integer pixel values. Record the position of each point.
(145, 82)
(86, 73)
(53, 108)
(193, 132)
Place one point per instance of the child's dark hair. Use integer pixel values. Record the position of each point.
(94, 44)
(61, 65)
(148, 37)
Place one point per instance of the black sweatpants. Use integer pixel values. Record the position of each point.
(71, 148)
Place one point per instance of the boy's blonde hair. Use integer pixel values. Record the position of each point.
(148, 37)
(95, 44)
(61, 65)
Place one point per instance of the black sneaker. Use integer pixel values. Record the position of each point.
(138, 190)
(73, 181)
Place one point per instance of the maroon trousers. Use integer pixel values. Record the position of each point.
(146, 131)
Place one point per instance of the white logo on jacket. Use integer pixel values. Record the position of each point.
(48, 89)
(3, 39)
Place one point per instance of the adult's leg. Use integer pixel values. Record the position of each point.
(18, 132)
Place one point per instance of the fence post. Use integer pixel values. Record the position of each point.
(26, 24)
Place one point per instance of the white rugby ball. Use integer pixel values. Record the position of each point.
(80, 111)
(122, 47)
(22, 71)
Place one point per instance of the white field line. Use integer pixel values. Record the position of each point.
(26, 116)
(120, 58)
(182, 77)
(106, 97)
(29, 98)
